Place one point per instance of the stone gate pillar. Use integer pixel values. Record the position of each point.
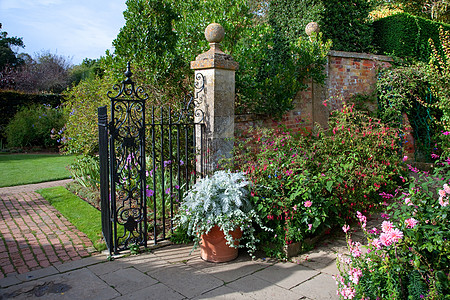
(216, 97)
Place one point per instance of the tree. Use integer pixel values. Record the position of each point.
(345, 22)
(161, 37)
(7, 55)
(438, 10)
(47, 72)
(89, 68)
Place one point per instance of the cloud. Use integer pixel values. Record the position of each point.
(77, 28)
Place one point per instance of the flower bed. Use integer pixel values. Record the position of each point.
(409, 256)
(306, 184)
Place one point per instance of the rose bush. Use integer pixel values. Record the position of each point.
(409, 258)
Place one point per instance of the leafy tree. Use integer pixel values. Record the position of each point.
(438, 10)
(345, 22)
(290, 17)
(161, 37)
(89, 68)
(46, 73)
(7, 55)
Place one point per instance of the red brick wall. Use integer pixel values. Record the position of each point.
(348, 73)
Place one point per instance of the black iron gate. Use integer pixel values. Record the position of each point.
(140, 195)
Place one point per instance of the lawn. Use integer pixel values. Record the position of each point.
(18, 169)
(81, 214)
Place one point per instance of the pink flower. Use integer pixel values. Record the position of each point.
(442, 193)
(345, 228)
(385, 239)
(376, 243)
(355, 275)
(362, 219)
(309, 226)
(386, 226)
(411, 222)
(385, 216)
(355, 250)
(442, 202)
(446, 188)
(347, 292)
(395, 235)
(408, 201)
(405, 158)
(307, 203)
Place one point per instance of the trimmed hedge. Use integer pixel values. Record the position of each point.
(12, 101)
(405, 35)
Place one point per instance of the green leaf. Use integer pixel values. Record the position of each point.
(330, 185)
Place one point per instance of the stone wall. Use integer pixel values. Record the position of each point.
(348, 73)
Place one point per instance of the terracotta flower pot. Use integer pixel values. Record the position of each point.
(214, 248)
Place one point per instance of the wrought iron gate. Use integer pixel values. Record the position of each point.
(140, 191)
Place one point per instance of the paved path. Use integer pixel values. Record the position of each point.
(42, 242)
(171, 273)
(34, 234)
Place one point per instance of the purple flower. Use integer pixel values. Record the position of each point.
(168, 191)
(149, 192)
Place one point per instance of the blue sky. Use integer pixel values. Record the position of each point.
(72, 28)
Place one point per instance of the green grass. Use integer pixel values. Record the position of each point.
(18, 169)
(81, 214)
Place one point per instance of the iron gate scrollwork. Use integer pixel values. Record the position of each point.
(126, 203)
(134, 198)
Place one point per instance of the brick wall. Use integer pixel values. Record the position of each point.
(348, 73)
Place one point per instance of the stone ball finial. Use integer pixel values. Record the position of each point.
(312, 27)
(214, 33)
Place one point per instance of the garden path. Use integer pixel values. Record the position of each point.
(34, 234)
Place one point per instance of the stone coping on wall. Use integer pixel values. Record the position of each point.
(358, 55)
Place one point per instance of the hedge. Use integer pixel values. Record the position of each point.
(404, 35)
(11, 101)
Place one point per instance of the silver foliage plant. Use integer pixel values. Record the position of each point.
(222, 200)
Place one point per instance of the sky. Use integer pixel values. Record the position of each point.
(75, 29)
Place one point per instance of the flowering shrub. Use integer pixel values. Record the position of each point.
(33, 126)
(305, 184)
(286, 195)
(409, 256)
(359, 159)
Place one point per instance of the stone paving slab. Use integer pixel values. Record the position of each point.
(230, 271)
(171, 273)
(258, 288)
(187, 280)
(78, 284)
(287, 275)
(34, 234)
(320, 287)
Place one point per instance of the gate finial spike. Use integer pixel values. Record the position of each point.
(128, 72)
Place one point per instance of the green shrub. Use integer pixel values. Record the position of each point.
(404, 35)
(407, 90)
(343, 22)
(438, 72)
(346, 24)
(12, 101)
(34, 126)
